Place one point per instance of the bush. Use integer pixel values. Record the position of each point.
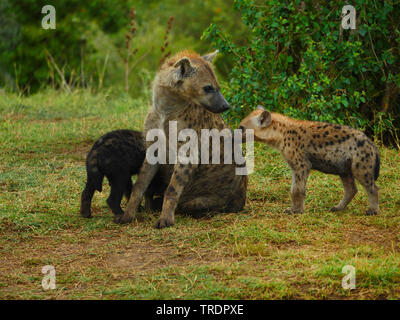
(300, 62)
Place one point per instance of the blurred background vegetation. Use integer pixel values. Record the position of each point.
(290, 56)
(89, 43)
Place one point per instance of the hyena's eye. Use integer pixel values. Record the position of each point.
(208, 89)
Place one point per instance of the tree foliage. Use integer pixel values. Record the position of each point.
(26, 60)
(90, 34)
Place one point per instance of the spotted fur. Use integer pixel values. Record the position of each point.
(329, 148)
(186, 90)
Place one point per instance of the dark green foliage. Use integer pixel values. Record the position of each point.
(9, 37)
(24, 43)
(89, 35)
(298, 61)
(290, 56)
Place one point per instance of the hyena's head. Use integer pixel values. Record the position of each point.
(190, 77)
(259, 120)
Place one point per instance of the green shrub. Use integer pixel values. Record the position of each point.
(299, 61)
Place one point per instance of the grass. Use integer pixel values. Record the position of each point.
(259, 253)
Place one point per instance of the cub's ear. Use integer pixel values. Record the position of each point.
(260, 107)
(210, 56)
(265, 119)
(183, 68)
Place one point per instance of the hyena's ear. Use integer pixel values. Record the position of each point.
(210, 56)
(265, 119)
(260, 107)
(183, 68)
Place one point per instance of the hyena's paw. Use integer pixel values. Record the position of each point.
(336, 209)
(86, 214)
(164, 222)
(122, 218)
(371, 212)
(292, 211)
(85, 211)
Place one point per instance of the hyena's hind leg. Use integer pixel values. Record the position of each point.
(367, 179)
(118, 186)
(94, 182)
(350, 190)
(86, 200)
(368, 182)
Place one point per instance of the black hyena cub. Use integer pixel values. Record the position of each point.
(117, 155)
(329, 148)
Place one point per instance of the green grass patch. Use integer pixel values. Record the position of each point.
(259, 253)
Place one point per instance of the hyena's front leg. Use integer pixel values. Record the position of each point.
(298, 190)
(180, 178)
(146, 174)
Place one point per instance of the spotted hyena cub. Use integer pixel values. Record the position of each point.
(325, 147)
(117, 155)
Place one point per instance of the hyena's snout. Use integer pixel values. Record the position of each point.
(224, 105)
(217, 103)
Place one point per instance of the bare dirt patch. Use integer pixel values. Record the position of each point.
(109, 250)
(385, 238)
(146, 257)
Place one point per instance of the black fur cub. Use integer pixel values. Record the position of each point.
(117, 155)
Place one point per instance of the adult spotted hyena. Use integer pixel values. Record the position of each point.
(325, 147)
(186, 90)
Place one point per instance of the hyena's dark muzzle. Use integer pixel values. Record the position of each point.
(216, 103)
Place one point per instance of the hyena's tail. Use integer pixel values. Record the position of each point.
(377, 164)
